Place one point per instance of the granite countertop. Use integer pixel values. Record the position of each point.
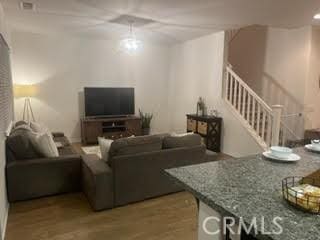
(251, 187)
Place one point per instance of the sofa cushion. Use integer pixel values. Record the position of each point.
(38, 127)
(133, 145)
(19, 123)
(20, 145)
(177, 141)
(105, 145)
(44, 144)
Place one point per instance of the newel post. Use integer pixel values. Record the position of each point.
(276, 123)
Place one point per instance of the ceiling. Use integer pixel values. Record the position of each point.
(172, 20)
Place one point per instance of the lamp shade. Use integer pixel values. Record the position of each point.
(25, 90)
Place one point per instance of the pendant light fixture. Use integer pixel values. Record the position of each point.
(130, 45)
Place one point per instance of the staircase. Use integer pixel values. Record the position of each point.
(262, 121)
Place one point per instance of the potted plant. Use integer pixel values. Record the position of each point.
(145, 122)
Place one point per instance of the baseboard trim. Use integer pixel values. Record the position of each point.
(4, 225)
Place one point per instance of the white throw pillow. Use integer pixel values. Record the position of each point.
(105, 145)
(181, 134)
(39, 128)
(44, 143)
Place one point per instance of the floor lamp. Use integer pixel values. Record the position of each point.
(27, 111)
(26, 92)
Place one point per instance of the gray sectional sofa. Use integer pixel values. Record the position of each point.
(31, 175)
(135, 169)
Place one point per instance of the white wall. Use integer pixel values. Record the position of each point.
(312, 95)
(61, 66)
(262, 55)
(274, 62)
(196, 70)
(3, 26)
(166, 80)
(4, 206)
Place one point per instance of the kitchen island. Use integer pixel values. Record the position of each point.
(250, 188)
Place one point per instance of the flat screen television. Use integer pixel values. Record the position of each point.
(100, 102)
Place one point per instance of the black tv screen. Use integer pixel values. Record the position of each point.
(108, 101)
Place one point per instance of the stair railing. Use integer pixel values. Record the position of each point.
(261, 120)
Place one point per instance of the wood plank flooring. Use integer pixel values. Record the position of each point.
(68, 217)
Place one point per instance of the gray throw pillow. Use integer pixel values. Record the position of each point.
(20, 144)
(19, 123)
(43, 143)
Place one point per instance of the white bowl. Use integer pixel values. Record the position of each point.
(315, 143)
(281, 152)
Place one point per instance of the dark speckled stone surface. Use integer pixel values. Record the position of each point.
(251, 187)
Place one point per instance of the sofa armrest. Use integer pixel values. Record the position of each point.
(97, 182)
(44, 161)
(27, 179)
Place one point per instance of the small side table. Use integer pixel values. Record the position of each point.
(208, 127)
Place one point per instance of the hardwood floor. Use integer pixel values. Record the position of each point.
(68, 217)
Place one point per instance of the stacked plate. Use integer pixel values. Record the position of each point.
(282, 154)
(314, 146)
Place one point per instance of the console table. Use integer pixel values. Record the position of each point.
(208, 127)
(112, 128)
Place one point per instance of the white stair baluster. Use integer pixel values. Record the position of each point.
(263, 130)
(253, 113)
(248, 108)
(259, 119)
(235, 94)
(239, 97)
(244, 96)
(231, 89)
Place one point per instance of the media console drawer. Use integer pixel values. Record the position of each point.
(112, 128)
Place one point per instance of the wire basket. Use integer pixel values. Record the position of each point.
(306, 202)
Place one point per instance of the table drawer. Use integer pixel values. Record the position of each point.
(191, 125)
(202, 127)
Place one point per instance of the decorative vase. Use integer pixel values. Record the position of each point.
(145, 131)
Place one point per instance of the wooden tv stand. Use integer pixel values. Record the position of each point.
(112, 128)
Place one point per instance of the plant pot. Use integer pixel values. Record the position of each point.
(145, 131)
